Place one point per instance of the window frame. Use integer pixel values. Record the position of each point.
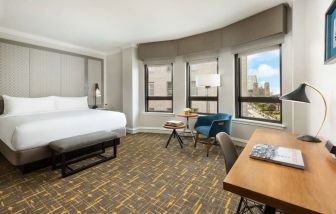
(190, 98)
(148, 98)
(239, 100)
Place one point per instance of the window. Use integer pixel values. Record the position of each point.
(159, 88)
(151, 89)
(197, 98)
(258, 85)
(169, 88)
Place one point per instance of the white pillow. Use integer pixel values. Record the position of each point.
(22, 105)
(71, 103)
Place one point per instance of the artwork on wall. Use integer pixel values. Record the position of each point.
(330, 34)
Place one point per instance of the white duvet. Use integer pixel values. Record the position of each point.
(21, 132)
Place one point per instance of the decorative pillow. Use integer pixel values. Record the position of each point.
(22, 105)
(71, 103)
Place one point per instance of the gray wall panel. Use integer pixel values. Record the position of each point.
(72, 76)
(45, 73)
(14, 70)
(32, 71)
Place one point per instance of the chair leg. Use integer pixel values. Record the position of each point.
(209, 145)
(196, 139)
(239, 205)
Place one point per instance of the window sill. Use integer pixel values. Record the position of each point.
(259, 123)
(164, 114)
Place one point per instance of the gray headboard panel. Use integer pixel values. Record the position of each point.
(33, 71)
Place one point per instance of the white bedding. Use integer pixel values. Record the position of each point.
(28, 131)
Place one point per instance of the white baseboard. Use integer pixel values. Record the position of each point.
(239, 142)
(158, 130)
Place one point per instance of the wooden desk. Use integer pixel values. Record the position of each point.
(312, 190)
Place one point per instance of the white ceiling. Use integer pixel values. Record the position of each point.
(105, 25)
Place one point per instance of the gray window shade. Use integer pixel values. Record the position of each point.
(261, 25)
(265, 24)
(199, 43)
(154, 50)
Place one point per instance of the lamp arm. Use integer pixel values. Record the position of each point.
(325, 106)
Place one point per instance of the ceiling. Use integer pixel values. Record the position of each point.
(107, 25)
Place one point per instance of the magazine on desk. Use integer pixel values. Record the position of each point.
(280, 155)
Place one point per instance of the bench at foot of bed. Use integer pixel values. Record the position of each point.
(65, 146)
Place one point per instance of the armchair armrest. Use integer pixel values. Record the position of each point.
(223, 125)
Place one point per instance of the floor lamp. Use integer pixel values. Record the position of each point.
(207, 81)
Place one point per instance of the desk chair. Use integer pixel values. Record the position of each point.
(230, 157)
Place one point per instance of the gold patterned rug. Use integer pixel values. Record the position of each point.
(144, 178)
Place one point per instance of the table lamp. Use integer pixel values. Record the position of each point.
(97, 94)
(299, 95)
(207, 81)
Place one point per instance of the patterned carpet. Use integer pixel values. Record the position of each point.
(145, 178)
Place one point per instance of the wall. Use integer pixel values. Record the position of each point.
(113, 81)
(302, 54)
(130, 85)
(242, 129)
(316, 73)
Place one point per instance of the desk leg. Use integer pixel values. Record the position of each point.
(269, 210)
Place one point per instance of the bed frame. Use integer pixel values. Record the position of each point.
(40, 157)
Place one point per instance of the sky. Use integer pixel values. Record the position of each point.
(266, 65)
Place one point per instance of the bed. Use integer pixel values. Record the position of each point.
(25, 137)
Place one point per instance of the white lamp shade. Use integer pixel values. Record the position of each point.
(98, 93)
(207, 80)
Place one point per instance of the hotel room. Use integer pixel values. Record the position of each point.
(148, 106)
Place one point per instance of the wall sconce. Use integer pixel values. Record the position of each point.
(97, 94)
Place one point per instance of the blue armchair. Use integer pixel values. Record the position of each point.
(211, 125)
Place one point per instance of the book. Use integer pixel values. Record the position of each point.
(280, 155)
(174, 123)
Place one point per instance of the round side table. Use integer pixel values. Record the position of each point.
(175, 134)
(187, 116)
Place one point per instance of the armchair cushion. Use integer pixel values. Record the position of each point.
(203, 130)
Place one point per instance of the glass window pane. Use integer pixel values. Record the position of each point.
(160, 105)
(202, 68)
(260, 73)
(169, 88)
(204, 107)
(267, 111)
(159, 79)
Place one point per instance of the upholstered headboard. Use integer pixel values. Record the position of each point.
(33, 71)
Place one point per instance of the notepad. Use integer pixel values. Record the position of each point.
(280, 155)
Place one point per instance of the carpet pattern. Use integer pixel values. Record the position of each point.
(144, 178)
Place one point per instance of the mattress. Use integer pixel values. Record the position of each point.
(28, 131)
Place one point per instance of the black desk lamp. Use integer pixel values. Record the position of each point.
(299, 95)
(97, 93)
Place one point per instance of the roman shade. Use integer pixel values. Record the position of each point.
(262, 25)
(198, 43)
(164, 49)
